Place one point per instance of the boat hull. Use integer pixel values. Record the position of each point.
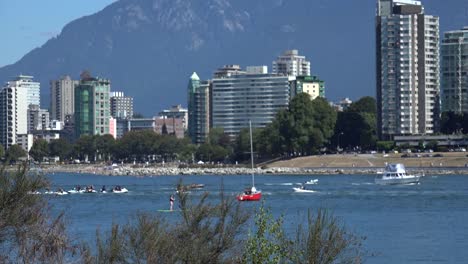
(250, 197)
(123, 190)
(396, 181)
(299, 190)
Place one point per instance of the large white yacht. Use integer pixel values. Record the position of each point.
(396, 174)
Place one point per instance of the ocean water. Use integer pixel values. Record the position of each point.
(424, 223)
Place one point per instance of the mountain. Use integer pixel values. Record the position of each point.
(149, 48)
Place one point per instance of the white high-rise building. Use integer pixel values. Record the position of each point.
(290, 63)
(38, 119)
(13, 112)
(33, 88)
(407, 43)
(454, 71)
(121, 105)
(62, 98)
(241, 98)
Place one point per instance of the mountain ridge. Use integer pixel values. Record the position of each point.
(149, 48)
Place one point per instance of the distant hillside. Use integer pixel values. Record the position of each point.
(149, 48)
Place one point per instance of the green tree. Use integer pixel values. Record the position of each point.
(186, 149)
(357, 126)
(325, 119)
(268, 243)
(301, 129)
(85, 147)
(241, 146)
(39, 150)
(452, 122)
(218, 137)
(105, 145)
(137, 145)
(60, 148)
(325, 241)
(366, 104)
(385, 145)
(14, 153)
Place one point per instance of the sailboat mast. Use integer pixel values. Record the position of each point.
(251, 152)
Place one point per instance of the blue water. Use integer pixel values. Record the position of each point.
(425, 223)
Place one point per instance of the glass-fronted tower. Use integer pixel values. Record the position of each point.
(198, 109)
(407, 69)
(454, 71)
(92, 107)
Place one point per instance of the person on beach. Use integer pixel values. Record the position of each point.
(171, 202)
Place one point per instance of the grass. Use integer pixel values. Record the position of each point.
(449, 159)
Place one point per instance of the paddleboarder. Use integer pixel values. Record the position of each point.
(171, 202)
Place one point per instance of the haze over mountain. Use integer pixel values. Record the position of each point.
(149, 48)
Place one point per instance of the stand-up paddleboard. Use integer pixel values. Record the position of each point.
(167, 211)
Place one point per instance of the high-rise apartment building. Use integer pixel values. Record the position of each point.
(121, 105)
(38, 119)
(407, 49)
(198, 109)
(62, 98)
(454, 71)
(33, 88)
(92, 106)
(291, 63)
(250, 96)
(13, 112)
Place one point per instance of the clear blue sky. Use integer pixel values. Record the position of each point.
(27, 24)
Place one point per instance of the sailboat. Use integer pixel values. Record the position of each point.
(251, 194)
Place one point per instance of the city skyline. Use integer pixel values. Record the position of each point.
(328, 59)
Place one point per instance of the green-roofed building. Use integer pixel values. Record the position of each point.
(198, 109)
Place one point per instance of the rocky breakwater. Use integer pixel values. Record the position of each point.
(151, 171)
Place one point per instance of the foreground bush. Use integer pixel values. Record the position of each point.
(324, 240)
(205, 233)
(27, 232)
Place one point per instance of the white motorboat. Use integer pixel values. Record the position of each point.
(314, 181)
(301, 190)
(76, 190)
(73, 191)
(396, 174)
(119, 189)
(61, 192)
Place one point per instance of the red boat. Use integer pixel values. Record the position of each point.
(250, 194)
